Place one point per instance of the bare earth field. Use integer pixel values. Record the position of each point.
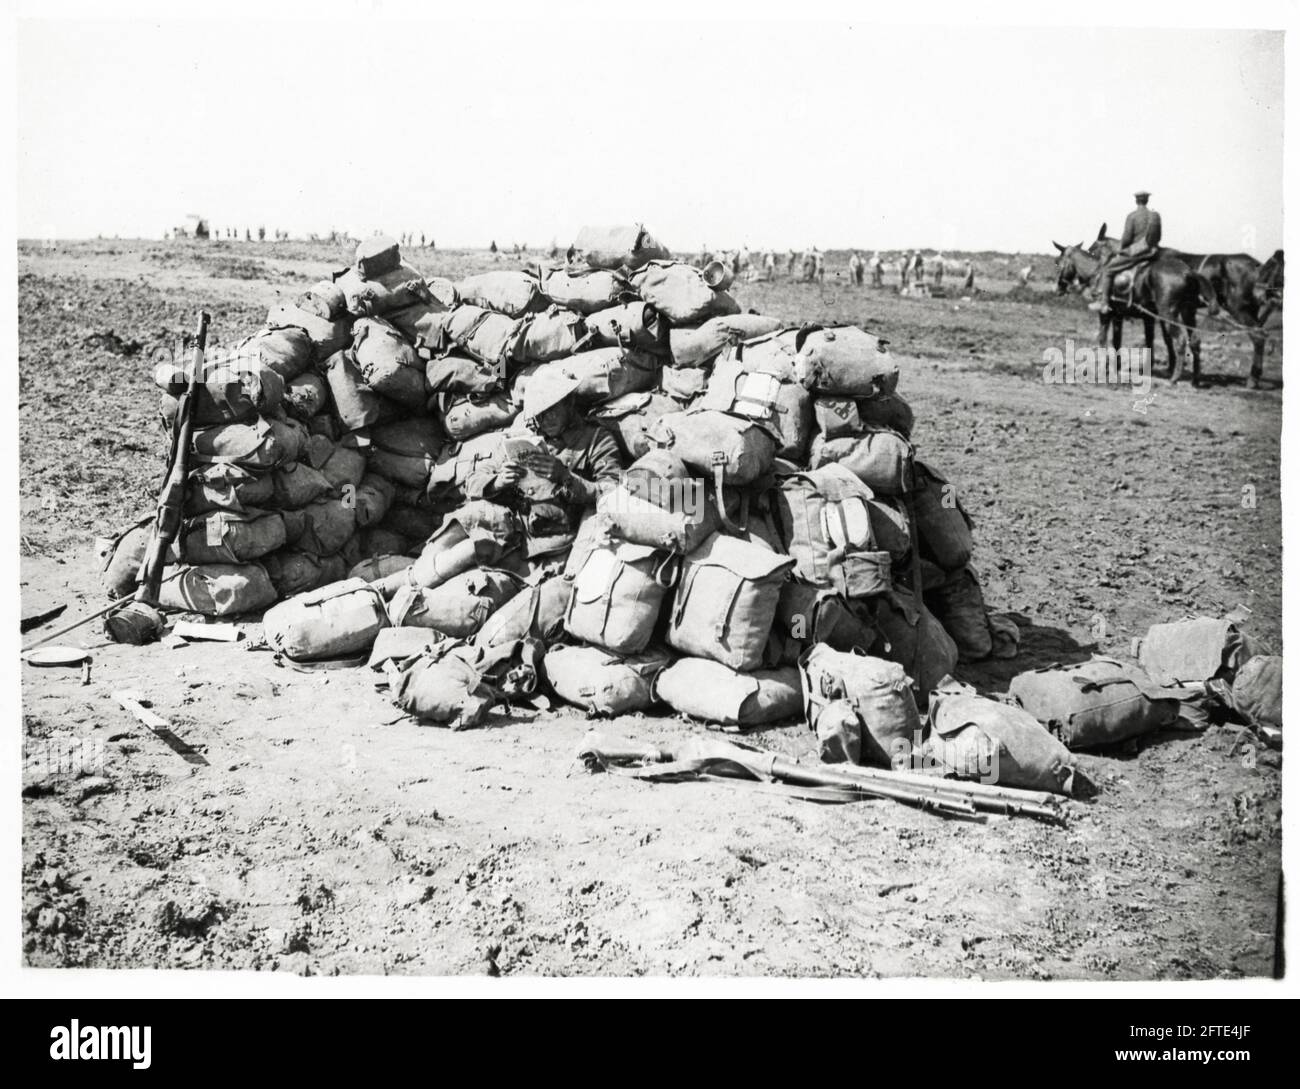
(323, 834)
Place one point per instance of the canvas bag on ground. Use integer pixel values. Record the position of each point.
(511, 293)
(355, 403)
(977, 738)
(631, 518)
(726, 601)
(327, 525)
(295, 484)
(881, 459)
(1099, 702)
(942, 523)
(679, 292)
(728, 448)
(217, 589)
(423, 324)
(443, 685)
(602, 683)
(584, 291)
(713, 692)
(226, 394)
(286, 349)
(457, 607)
(465, 415)
(824, 520)
(1257, 691)
(844, 360)
(878, 692)
(262, 444)
(456, 373)
(694, 347)
(381, 294)
(1194, 651)
(618, 247)
(617, 594)
(388, 364)
(333, 622)
(537, 612)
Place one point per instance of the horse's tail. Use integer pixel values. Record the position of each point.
(1209, 297)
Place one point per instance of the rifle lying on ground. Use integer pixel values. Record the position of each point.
(711, 759)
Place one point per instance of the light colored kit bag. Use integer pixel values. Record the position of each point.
(728, 448)
(726, 601)
(511, 293)
(629, 325)
(603, 683)
(881, 459)
(606, 373)
(694, 347)
(444, 685)
(458, 607)
(225, 536)
(713, 692)
(617, 593)
(680, 293)
(584, 291)
(844, 360)
(618, 247)
(824, 518)
(388, 364)
(1098, 702)
(866, 701)
(756, 381)
(332, 622)
(942, 524)
(1196, 650)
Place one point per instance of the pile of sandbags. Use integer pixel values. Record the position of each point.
(771, 502)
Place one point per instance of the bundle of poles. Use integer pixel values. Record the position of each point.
(709, 758)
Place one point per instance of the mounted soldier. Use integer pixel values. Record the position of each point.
(1138, 245)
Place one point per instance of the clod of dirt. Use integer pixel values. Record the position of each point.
(111, 342)
(170, 918)
(92, 785)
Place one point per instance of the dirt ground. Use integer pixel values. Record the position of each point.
(312, 830)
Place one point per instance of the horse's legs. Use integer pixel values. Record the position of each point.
(1257, 339)
(1171, 335)
(1149, 342)
(1194, 346)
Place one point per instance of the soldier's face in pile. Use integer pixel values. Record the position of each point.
(553, 421)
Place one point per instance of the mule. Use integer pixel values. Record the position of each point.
(1165, 290)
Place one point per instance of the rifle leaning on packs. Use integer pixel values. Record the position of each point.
(140, 620)
(838, 782)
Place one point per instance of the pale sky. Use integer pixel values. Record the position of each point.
(768, 134)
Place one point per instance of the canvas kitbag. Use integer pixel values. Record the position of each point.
(377, 255)
(295, 484)
(617, 594)
(372, 498)
(457, 607)
(844, 360)
(629, 325)
(763, 390)
(294, 572)
(726, 601)
(730, 449)
(712, 692)
(326, 335)
(958, 603)
(334, 621)
(942, 524)
(1099, 702)
(881, 459)
(536, 612)
(824, 519)
(683, 384)
(977, 738)
(327, 525)
(606, 373)
(355, 403)
(603, 683)
(225, 536)
(680, 293)
(698, 345)
(511, 293)
(261, 444)
(876, 691)
(812, 614)
(618, 247)
(491, 338)
(630, 418)
(584, 291)
(1257, 691)
(552, 334)
(285, 349)
(909, 634)
(445, 686)
(227, 393)
(306, 396)
(423, 324)
(405, 452)
(388, 364)
(680, 527)
(217, 589)
(1196, 650)
(380, 294)
(465, 415)
(226, 487)
(346, 464)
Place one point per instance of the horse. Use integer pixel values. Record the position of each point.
(1166, 290)
(1235, 278)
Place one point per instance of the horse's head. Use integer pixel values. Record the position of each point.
(1074, 268)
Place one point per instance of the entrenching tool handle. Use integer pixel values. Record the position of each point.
(171, 498)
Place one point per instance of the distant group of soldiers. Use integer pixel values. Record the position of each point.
(810, 266)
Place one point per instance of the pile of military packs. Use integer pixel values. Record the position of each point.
(774, 549)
